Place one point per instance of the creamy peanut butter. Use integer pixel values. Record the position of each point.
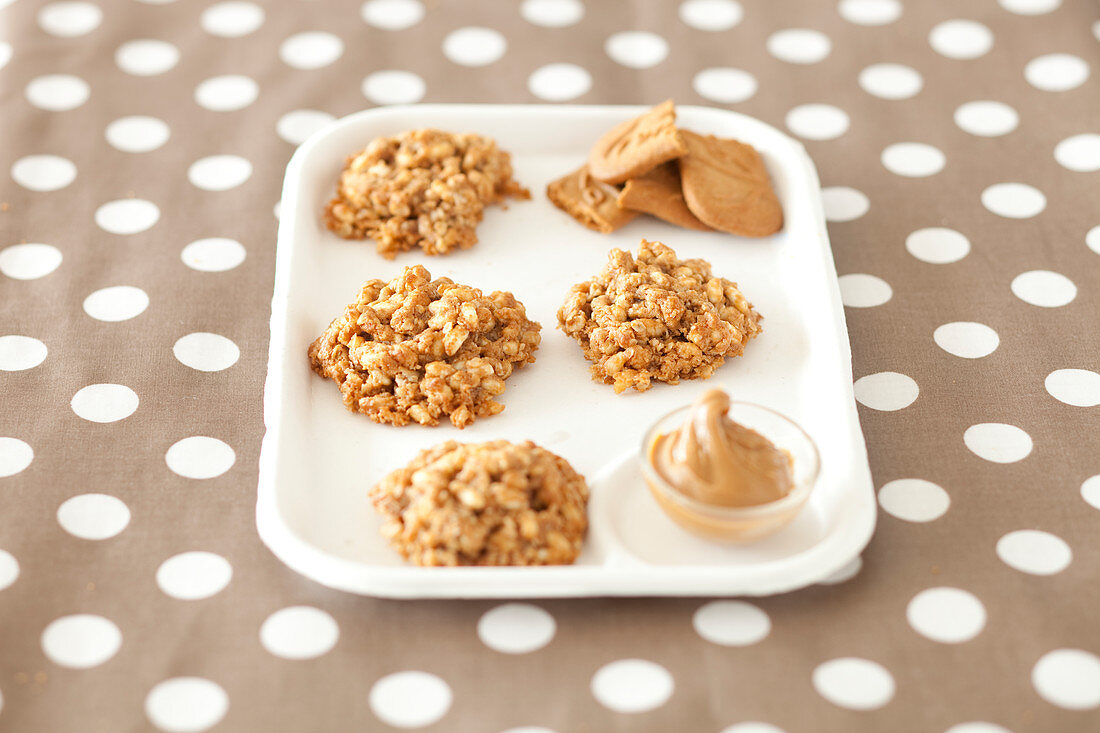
(716, 461)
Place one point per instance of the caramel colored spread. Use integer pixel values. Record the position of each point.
(716, 461)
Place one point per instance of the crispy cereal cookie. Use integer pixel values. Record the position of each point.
(423, 188)
(496, 503)
(591, 202)
(657, 317)
(637, 146)
(658, 193)
(726, 185)
(417, 349)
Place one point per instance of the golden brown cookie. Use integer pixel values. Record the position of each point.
(658, 193)
(591, 202)
(637, 146)
(726, 185)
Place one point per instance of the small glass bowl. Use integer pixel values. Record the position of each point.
(737, 524)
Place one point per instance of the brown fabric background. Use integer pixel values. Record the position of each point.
(937, 685)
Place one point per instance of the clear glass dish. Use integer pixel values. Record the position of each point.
(737, 524)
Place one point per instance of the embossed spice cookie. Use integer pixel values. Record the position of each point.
(658, 193)
(589, 201)
(726, 185)
(637, 146)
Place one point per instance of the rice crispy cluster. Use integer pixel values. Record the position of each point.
(496, 503)
(657, 317)
(422, 188)
(417, 349)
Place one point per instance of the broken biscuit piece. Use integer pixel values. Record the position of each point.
(589, 201)
(658, 193)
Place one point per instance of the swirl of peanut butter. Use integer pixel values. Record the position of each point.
(714, 460)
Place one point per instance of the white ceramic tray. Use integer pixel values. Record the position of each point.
(318, 459)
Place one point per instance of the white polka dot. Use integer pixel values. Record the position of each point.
(711, 15)
(817, 121)
(870, 12)
(854, 683)
(191, 576)
(311, 50)
(1079, 153)
(1029, 7)
(70, 19)
(753, 726)
(219, 172)
(961, 39)
(844, 573)
(81, 641)
(206, 352)
(1090, 488)
(105, 402)
(914, 500)
(127, 216)
(516, 628)
(1096, 30)
(299, 632)
(946, 615)
(1034, 551)
(226, 93)
(392, 15)
(43, 172)
(636, 49)
(57, 92)
(1044, 288)
(891, 81)
(859, 290)
(1092, 241)
(1014, 200)
(296, 126)
(552, 13)
(21, 352)
(843, 203)
(9, 569)
(410, 699)
(986, 118)
(977, 726)
(913, 160)
(937, 245)
(966, 339)
(731, 623)
(474, 46)
(277, 209)
(998, 442)
(117, 303)
(232, 19)
(29, 261)
(1077, 387)
(724, 85)
(886, 391)
(799, 45)
(394, 87)
(559, 82)
(216, 254)
(146, 57)
(632, 685)
(1056, 72)
(137, 134)
(5, 57)
(1068, 678)
(93, 516)
(186, 705)
(200, 457)
(15, 456)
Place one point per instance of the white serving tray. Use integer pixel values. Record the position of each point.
(318, 460)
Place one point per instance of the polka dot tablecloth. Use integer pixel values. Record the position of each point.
(144, 145)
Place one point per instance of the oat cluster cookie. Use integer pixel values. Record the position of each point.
(423, 188)
(657, 317)
(496, 503)
(417, 349)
